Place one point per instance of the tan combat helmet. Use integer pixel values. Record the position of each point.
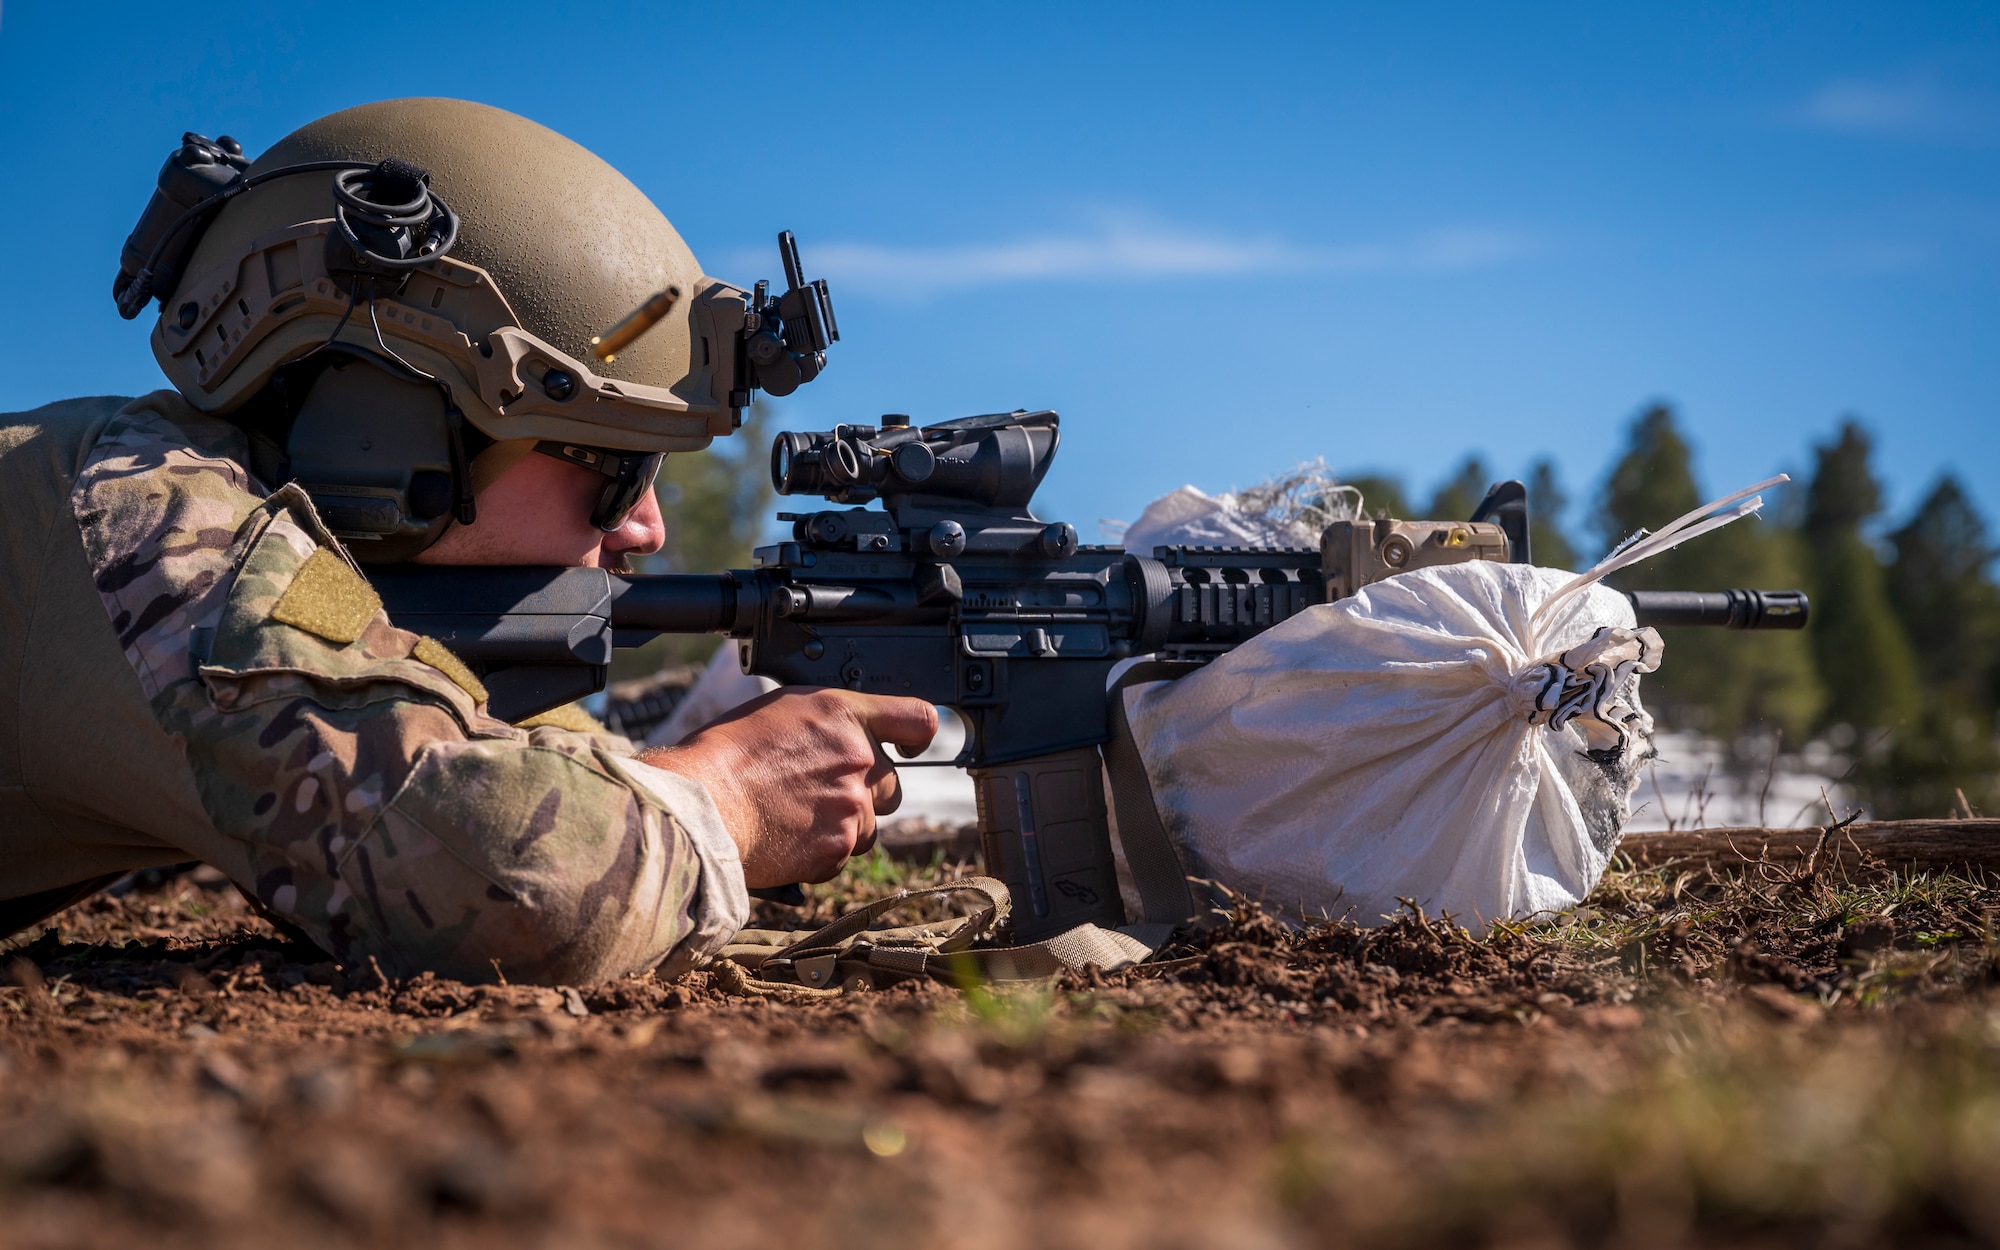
(554, 247)
(533, 286)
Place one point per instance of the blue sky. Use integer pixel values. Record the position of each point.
(1220, 240)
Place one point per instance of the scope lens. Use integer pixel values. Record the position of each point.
(818, 464)
(781, 464)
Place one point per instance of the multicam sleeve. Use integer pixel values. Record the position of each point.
(359, 788)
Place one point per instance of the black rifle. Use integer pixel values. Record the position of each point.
(954, 592)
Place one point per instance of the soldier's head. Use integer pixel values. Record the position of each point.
(467, 337)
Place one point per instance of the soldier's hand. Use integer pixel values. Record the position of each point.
(800, 775)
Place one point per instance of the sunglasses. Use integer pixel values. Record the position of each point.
(631, 475)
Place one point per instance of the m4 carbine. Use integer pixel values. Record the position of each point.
(954, 592)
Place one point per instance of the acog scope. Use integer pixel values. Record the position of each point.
(992, 461)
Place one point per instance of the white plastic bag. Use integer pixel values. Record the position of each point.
(722, 687)
(1465, 737)
(1193, 517)
(1289, 510)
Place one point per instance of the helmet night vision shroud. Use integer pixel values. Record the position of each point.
(398, 300)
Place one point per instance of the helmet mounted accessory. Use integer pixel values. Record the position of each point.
(386, 223)
(353, 320)
(781, 345)
(784, 337)
(187, 196)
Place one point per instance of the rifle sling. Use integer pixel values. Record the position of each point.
(1155, 865)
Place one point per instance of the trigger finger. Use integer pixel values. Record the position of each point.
(865, 840)
(887, 791)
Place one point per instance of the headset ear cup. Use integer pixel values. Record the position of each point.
(371, 449)
(430, 494)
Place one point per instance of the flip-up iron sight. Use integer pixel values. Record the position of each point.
(784, 337)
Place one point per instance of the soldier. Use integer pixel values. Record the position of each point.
(380, 360)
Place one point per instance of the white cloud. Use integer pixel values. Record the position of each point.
(1914, 107)
(1135, 250)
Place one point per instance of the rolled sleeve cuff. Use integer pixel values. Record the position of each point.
(721, 906)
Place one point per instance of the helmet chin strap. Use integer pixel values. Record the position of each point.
(463, 509)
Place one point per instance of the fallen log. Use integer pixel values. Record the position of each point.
(1900, 845)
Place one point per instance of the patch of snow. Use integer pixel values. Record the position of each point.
(1692, 786)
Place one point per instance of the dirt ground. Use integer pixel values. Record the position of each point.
(1775, 1058)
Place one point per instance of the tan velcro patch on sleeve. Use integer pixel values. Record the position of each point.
(439, 657)
(328, 600)
(569, 716)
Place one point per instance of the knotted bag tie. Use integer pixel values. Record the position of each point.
(1588, 684)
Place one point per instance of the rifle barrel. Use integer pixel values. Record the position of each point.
(1730, 609)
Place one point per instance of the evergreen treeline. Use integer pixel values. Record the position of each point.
(1898, 673)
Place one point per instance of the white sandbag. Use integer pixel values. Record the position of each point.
(1382, 748)
(722, 687)
(1465, 737)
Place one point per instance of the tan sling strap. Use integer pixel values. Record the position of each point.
(1156, 867)
(847, 954)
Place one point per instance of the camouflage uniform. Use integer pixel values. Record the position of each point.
(271, 721)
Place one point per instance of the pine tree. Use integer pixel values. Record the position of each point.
(1546, 504)
(716, 502)
(1716, 682)
(1940, 590)
(1461, 493)
(1652, 483)
(1863, 656)
(1381, 495)
(1944, 753)
(1950, 610)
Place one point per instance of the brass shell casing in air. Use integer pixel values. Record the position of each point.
(607, 345)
